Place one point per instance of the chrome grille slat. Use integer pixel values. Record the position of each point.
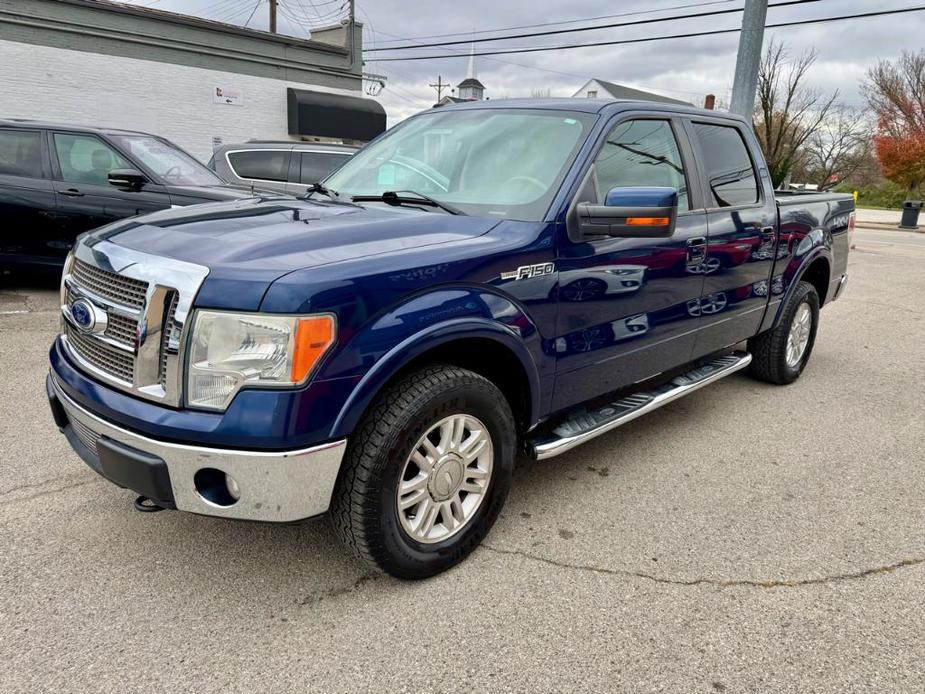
(170, 334)
(110, 360)
(85, 434)
(117, 288)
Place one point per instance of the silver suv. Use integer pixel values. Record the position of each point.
(289, 167)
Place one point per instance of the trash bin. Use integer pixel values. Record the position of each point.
(910, 219)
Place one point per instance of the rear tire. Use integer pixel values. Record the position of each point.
(780, 355)
(399, 454)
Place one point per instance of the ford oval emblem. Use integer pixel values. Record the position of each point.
(85, 315)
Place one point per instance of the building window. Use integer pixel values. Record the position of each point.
(592, 93)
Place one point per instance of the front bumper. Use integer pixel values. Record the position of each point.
(274, 486)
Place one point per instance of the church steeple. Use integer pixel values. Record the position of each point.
(470, 88)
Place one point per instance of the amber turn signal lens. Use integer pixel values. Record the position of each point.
(647, 221)
(313, 337)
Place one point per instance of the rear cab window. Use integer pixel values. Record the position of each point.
(261, 164)
(727, 165)
(21, 153)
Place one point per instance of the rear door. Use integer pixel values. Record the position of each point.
(81, 164)
(742, 233)
(627, 306)
(312, 166)
(29, 230)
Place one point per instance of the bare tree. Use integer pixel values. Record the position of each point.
(540, 93)
(839, 149)
(787, 112)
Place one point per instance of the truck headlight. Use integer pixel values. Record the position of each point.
(229, 351)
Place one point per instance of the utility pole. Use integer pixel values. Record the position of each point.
(273, 16)
(439, 86)
(749, 57)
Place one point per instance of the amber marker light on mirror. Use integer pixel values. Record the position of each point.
(313, 337)
(647, 221)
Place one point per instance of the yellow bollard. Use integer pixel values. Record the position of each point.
(855, 198)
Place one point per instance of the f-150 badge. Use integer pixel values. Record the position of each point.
(527, 271)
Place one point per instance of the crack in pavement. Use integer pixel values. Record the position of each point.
(46, 492)
(717, 582)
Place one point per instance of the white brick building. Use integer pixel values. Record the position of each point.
(193, 81)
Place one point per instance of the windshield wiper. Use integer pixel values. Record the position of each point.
(330, 192)
(392, 197)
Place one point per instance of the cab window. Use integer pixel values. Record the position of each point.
(87, 159)
(727, 165)
(640, 153)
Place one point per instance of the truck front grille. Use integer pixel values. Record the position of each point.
(112, 361)
(144, 308)
(109, 285)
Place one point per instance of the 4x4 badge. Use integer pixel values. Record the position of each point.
(528, 271)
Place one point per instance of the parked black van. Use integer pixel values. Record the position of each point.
(57, 181)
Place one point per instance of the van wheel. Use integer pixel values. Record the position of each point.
(780, 355)
(426, 472)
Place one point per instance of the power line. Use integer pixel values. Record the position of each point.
(464, 54)
(645, 39)
(635, 22)
(547, 24)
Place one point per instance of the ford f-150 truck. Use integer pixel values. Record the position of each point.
(483, 279)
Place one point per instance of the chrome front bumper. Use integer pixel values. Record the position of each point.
(274, 486)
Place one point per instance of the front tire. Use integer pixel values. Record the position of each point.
(780, 355)
(426, 472)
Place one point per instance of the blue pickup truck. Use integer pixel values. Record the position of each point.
(482, 280)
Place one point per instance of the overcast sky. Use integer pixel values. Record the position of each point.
(683, 68)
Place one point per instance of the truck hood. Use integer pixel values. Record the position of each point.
(246, 244)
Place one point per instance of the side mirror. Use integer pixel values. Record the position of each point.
(127, 178)
(632, 212)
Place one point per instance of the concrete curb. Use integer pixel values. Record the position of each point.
(888, 227)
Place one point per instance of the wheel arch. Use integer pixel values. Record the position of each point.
(816, 269)
(480, 345)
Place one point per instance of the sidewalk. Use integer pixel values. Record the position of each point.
(878, 216)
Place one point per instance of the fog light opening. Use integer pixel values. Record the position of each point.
(216, 487)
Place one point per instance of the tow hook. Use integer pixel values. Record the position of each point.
(146, 505)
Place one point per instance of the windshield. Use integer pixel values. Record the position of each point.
(495, 162)
(169, 163)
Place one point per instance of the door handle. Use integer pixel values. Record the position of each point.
(768, 234)
(71, 193)
(696, 249)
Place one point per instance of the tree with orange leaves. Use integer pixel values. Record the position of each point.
(895, 92)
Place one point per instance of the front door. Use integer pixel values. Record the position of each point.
(85, 198)
(628, 306)
(742, 233)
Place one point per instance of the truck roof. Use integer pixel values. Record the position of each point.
(589, 106)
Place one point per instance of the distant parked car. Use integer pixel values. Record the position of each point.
(289, 167)
(57, 181)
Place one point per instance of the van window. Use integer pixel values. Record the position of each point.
(21, 153)
(640, 153)
(87, 159)
(728, 167)
(317, 165)
(265, 165)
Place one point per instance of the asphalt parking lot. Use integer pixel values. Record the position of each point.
(746, 538)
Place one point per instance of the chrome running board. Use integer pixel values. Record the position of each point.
(584, 425)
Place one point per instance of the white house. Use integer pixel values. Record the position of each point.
(601, 89)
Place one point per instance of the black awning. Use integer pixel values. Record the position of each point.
(320, 114)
